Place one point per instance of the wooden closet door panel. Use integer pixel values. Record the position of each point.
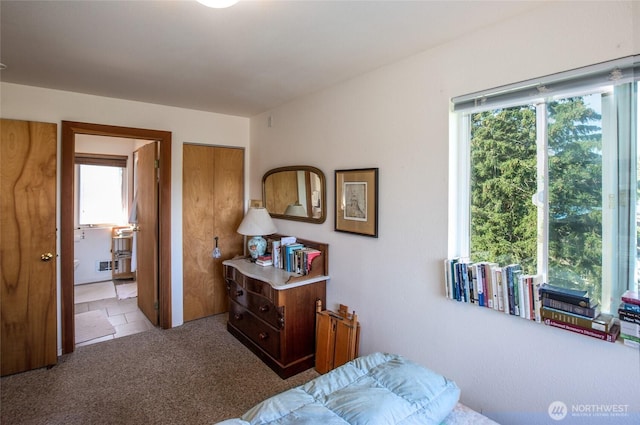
(228, 189)
(28, 245)
(197, 224)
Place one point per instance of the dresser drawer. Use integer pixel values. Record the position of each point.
(258, 331)
(237, 293)
(259, 287)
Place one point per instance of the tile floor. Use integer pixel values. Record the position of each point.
(124, 315)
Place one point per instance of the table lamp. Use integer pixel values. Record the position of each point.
(257, 223)
(295, 210)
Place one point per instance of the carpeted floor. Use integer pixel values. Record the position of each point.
(194, 374)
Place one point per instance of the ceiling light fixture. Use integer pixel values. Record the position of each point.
(218, 4)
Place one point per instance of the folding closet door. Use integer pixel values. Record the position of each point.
(212, 206)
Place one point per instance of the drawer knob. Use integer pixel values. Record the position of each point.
(263, 335)
(264, 308)
(239, 293)
(238, 316)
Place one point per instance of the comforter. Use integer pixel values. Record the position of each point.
(375, 389)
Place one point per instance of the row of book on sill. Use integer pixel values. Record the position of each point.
(289, 255)
(509, 290)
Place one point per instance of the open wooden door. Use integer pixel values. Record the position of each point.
(28, 245)
(146, 194)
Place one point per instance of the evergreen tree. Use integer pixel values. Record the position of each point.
(504, 180)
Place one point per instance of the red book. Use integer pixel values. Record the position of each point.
(631, 297)
(610, 336)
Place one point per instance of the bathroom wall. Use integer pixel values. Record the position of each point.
(93, 245)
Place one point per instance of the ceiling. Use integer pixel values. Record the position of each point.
(240, 61)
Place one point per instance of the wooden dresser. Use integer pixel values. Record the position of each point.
(273, 312)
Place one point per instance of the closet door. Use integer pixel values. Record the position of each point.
(212, 206)
(28, 245)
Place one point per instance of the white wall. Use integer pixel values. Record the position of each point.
(396, 118)
(187, 126)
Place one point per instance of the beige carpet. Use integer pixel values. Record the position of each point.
(127, 290)
(91, 325)
(195, 374)
(93, 292)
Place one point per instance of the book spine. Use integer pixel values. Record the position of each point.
(522, 296)
(631, 343)
(628, 328)
(454, 292)
(537, 303)
(473, 284)
(629, 316)
(571, 308)
(564, 298)
(629, 337)
(631, 307)
(579, 301)
(510, 290)
(570, 319)
(459, 282)
(491, 268)
(479, 285)
(505, 291)
(609, 337)
(447, 278)
(630, 300)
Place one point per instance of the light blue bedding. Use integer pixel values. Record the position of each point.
(374, 389)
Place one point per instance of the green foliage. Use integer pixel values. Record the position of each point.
(504, 179)
(575, 195)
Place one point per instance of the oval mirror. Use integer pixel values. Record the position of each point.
(295, 193)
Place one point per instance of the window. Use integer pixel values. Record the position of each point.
(545, 174)
(101, 189)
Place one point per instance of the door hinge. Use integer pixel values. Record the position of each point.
(156, 306)
(156, 163)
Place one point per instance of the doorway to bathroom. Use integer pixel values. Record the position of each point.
(157, 246)
(105, 243)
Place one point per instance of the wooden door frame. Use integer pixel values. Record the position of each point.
(67, 170)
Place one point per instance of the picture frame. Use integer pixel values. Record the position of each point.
(356, 207)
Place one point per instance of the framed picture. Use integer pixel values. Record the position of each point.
(357, 201)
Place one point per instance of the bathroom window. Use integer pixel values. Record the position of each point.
(101, 189)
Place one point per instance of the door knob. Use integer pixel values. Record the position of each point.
(46, 257)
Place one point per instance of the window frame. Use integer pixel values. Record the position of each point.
(619, 73)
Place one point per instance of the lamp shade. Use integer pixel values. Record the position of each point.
(256, 223)
(295, 210)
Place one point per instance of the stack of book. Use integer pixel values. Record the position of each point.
(506, 289)
(573, 310)
(265, 260)
(629, 313)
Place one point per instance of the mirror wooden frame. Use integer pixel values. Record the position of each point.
(267, 191)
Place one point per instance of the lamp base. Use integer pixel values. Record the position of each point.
(256, 246)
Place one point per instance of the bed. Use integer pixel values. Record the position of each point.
(378, 388)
